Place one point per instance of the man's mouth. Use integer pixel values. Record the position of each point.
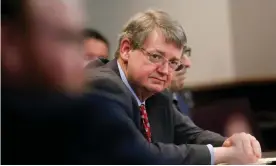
(159, 79)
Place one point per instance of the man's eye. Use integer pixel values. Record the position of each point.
(174, 62)
(156, 56)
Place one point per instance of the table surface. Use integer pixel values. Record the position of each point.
(267, 157)
(269, 154)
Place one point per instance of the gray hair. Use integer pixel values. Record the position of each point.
(142, 24)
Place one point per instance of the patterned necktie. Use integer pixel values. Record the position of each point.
(145, 121)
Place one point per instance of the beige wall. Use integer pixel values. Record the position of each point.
(218, 32)
(254, 38)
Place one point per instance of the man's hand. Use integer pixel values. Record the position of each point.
(242, 149)
(250, 144)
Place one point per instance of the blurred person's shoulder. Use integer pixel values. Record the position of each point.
(52, 109)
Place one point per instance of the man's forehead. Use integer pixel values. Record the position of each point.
(157, 40)
(69, 12)
(169, 50)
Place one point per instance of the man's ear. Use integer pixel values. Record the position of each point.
(125, 48)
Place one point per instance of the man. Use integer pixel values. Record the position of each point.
(44, 118)
(182, 101)
(150, 49)
(96, 46)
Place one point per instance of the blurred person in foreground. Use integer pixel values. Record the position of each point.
(149, 51)
(45, 119)
(96, 48)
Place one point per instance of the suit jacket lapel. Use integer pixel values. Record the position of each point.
(114, 66)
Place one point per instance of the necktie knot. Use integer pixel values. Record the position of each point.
(142, 107)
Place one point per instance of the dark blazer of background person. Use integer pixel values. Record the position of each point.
(171, 131)
(51, 128)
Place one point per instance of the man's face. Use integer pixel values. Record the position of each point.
(56, 41)
(179, 77)
(95, 48)
(144, 73)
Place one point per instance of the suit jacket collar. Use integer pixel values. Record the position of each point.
(113, 66)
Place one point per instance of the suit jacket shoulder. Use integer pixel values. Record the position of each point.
(105, 82)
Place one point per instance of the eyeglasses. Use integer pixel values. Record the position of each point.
(161, 60)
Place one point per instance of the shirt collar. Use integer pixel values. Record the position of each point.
(124, 79)
(174, 96)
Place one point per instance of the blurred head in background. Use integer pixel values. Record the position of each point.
(178, 78)
(96, 45)
(237, 123)
(150, 50)
(42, 44)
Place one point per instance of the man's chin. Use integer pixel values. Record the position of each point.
(156, 88)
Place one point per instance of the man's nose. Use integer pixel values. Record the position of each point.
(164, 68)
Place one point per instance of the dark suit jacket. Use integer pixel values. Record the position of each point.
(50, 128)
(174, 135)
(96, 63)
(179, 103)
